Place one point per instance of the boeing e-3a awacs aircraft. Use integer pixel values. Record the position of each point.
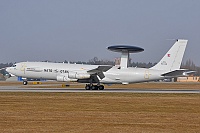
(168, 67)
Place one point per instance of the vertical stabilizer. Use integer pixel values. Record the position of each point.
(173, 58)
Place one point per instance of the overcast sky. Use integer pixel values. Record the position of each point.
(78, 30)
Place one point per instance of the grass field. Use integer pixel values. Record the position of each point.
(99, 112)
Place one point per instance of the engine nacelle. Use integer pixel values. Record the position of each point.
(64, 78)
(74, 75)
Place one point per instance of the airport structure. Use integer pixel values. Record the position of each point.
(189, 79)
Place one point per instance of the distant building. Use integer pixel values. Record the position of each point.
(117, 61)
(15, 78)
(188, 79)
(2, 78)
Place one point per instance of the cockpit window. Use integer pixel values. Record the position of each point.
(14, 65)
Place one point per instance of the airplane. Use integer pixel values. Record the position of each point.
(96, 75)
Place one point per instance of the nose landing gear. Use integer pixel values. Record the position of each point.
(25, 82)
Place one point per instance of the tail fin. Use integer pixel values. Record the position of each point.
(173, 58)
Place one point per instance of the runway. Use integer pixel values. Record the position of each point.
(110, 90)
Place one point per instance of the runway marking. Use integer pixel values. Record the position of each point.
(110, 90)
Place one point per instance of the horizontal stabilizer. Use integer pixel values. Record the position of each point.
(177, 73)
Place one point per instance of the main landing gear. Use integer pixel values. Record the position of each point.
(94, 87)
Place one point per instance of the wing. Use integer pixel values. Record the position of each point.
(99, 71)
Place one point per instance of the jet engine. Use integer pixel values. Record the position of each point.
(75, 75)
(72, 77)
(64, 78)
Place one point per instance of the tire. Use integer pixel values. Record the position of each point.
(87, 87)
(94, 87)
(101, 87)
(25, 82)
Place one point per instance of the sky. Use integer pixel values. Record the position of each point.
(79, 30)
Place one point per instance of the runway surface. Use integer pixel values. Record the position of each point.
(113, 90)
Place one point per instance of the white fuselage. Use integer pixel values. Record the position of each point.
(52, 71)
(168, 66)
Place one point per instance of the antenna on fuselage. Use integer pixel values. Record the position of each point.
(125, 51)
